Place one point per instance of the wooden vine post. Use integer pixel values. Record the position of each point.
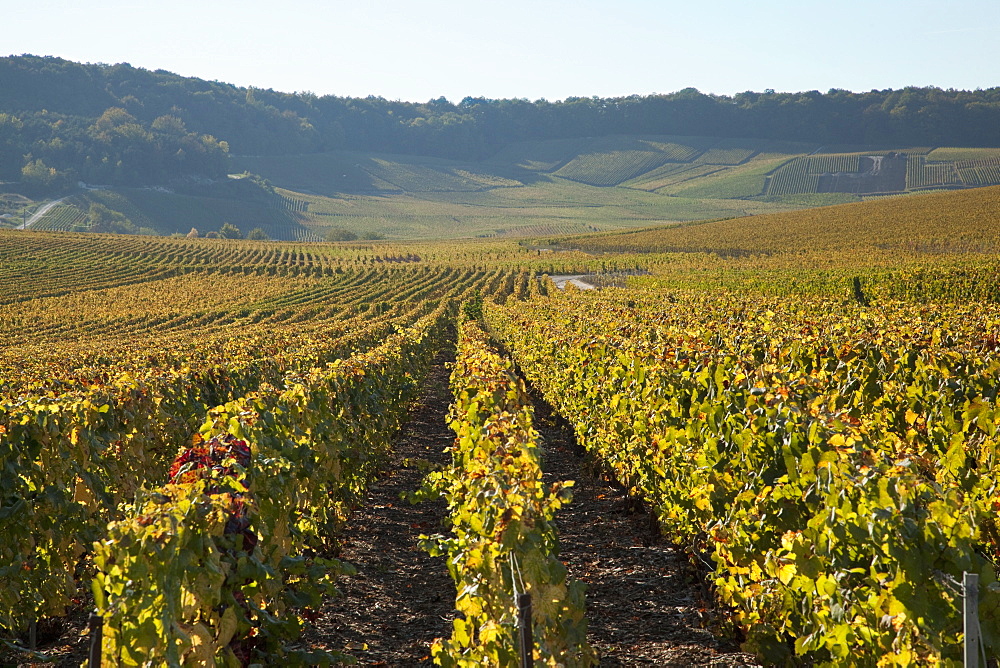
(524, 625)
(96, 624)
(970, 594)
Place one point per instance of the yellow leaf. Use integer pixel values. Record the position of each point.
(201, 652)
(82, 493)
(826, 585)
(227, 627)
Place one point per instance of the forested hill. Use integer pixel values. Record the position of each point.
(118, 124)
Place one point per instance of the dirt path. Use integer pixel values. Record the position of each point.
(576, 279)
(36, 216)
(643, 599)
(401, 599)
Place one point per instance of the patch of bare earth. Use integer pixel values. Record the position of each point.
(62, 641)
(645, 602)
(401, 599)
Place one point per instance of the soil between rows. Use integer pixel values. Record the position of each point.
(401, 598)
(644, 601)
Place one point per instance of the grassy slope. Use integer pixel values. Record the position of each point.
(560, 186)
(952, 221)
(550, 187)
(570, 186)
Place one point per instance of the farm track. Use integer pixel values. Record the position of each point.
(645, 602)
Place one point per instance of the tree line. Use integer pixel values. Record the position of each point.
(117, 124)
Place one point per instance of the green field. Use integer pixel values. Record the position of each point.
(564, 186)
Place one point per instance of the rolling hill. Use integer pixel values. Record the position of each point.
(552, 187)
(604, 183)
(157, 148)
(960, 222)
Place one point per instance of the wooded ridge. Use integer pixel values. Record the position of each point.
(62, 121)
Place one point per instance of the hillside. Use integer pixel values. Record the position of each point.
(157, 149)
(528, 189)
(950, 222)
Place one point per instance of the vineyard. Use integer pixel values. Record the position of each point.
(116, 353)
(730, 152)
(746, 181)
(286, 369)
(793, 177)
(805, 403)
(610, 168)
(826, 459)
(952, 222)
(525, 188)
(979, 172)
(921, 174)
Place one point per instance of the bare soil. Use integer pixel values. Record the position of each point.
(401, 599)
(646, 604)
(61, 642)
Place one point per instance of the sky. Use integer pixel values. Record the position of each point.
(417, 50)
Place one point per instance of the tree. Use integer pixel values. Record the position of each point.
(340, 234)
(39, 177)
(112, 118)
(230, 231)
(11, 134)
(169, 125)
(193, 234)
(257, 234)
(102, 219)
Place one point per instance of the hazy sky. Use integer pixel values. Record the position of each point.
(422, 49)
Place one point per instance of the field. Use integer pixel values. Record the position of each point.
(529, 188)
(955, 222)
(804, 401)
